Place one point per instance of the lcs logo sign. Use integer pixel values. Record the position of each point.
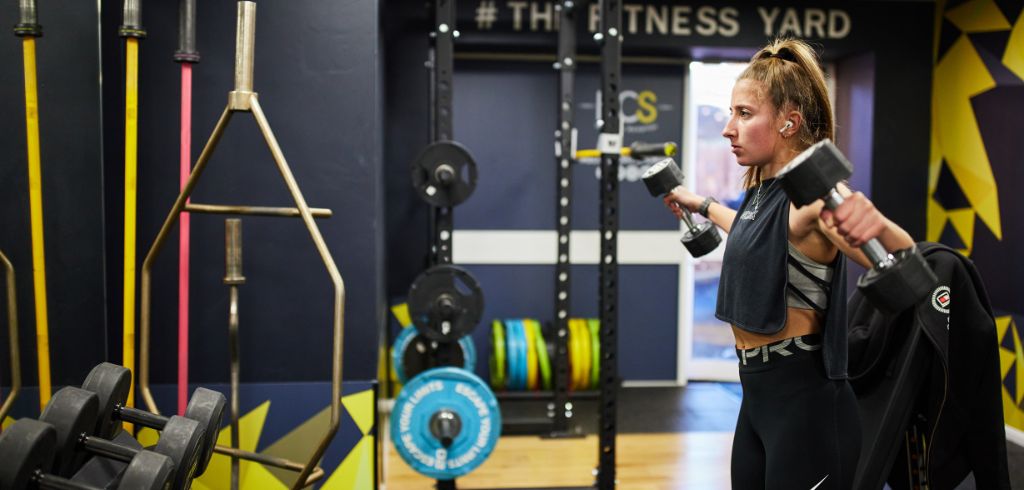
(635, 107)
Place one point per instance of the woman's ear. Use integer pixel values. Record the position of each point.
(792, 125)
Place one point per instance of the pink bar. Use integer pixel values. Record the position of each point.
(183, 244)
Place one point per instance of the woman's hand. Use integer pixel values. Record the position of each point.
(856, 219)
(681, 196)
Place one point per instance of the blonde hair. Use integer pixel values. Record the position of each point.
(792, 79)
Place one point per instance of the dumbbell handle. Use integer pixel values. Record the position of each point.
(141, 417)
(105, 448)
(53, 482)
(687, 218)
(873, 248)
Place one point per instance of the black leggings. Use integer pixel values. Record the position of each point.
(797, 429)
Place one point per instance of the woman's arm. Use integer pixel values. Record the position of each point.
(719, 214)
(857, 221)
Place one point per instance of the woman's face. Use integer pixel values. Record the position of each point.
(753, 126)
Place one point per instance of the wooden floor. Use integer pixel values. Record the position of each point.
(691, 460)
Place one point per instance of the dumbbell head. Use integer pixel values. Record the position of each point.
(147, 471)
(27, 446)
(182, 441)
(662, 177)
(72, 412)
(207, 408)
(814, 173)
(901, 285)
(111, 384)
(701, 239)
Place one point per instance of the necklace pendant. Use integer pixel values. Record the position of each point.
(748, 215)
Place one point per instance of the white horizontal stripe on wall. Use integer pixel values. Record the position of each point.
(539, 247)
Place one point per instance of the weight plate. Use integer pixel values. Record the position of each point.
(595, 351)
(512, 339)
(444, 174)
(543, 361)
(111, 384)
(207, 408)
(521, 356)
(72, 412)
(532, 377)
(25, 447)
(498, 355)
(181, 440)
(903, 284)
(445, 303)
(147, 471)
(813, 173)
(413, 354)
(662, 177)
(449, 390)
(702, 240)
(585, 344)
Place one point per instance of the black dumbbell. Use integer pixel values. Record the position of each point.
(73, 413)
(701, 238)
(111, 383)
(27, 449)
(898, 280)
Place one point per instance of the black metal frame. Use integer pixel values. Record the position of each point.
(610, 144)
(442, 64)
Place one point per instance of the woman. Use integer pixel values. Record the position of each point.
(783, 282)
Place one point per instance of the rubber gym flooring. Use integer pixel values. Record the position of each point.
(669, 438)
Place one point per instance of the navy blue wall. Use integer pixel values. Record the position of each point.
(318, 75)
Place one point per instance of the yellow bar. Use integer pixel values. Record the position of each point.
(35, 196)
(131, 133)
(580, 154)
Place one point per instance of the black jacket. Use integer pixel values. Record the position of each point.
(928, 384)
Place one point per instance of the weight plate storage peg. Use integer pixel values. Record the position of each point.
(414, 353)
(445, 303)
(445, 423)
(444, 174)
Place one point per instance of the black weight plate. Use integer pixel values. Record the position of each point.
(111, 384)
(701, 242)
(420, 354)
(147, 471)
(26, 446)
(72, 412)
(811, 175)
(207, 408)
(458, 286)
(427, 169)
(182, 441)
(662, 177)
(905, 283)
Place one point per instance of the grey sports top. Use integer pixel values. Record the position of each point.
(808, 286)
(755, 276)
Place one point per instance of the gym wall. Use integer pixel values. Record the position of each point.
(505, 113)
(975, 166)
(317, 73)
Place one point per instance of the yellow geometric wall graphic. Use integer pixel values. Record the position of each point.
(356, 470)
(1011, 361)
(1013, 58)
(978, 16)
(959, 75)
